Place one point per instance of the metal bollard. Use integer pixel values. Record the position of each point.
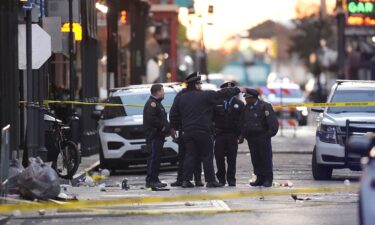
(4, 160)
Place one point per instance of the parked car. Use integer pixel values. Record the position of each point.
(336, 124)
(284, 94)
(365, 147)
(121, 131)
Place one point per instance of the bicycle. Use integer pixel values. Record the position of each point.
(63, 153)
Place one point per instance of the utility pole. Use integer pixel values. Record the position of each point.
(31, 105)
(340, 14)
(71, 55)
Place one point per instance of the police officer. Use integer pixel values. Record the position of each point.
(156, 127)
(193, 109)
(181, 156)
(227, 129)
(259, 124)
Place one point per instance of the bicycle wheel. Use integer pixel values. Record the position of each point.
(67, 161)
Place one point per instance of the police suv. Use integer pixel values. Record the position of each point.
(121, 127)
(336, 124)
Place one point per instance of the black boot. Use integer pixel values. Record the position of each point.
(177, 183)
(198, 183)
(267, 182)
(187, 184)
(214, 184)
(259, 182)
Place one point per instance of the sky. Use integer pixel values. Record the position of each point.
(233, 17)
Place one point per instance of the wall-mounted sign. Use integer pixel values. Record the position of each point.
(360, 12)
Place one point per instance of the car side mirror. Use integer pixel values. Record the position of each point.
(317, 109)
(96, 114)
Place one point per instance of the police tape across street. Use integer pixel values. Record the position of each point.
(308, 105)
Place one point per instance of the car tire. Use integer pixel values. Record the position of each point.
(320, 172)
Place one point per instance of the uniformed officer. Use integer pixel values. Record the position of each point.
(193, 109)
(227, 129)
(259, 124)
(181, 157)
(156, 126)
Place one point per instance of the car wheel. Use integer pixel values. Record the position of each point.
(320, 172)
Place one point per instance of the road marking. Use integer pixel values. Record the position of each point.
(159, 199)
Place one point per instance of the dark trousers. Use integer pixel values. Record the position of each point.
(181, 158)
(261, 155)
(199, 146)
(226, 146)
(155, 147)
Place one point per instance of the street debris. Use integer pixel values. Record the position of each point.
(189, 204)
(283, 184)
(39, 181)
(298, 199)
(42, 212)
(15, 170)
(125, 185)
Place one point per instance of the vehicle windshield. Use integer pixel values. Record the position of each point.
(286, 93)
(353, 96)
(140, 99)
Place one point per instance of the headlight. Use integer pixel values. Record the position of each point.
(112, 129)
(327, 134)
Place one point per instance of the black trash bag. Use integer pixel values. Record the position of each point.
(15, 169)
(39, 181)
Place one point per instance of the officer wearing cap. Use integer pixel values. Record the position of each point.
(182, 154)
(227, 114)
(156, 126)
(193, 109)
(259, 123)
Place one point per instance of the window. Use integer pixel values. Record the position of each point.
(353, 96)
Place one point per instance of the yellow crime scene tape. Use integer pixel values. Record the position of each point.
(308, 105)
(76, 205)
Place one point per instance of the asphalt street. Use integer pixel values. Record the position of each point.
(292, 164)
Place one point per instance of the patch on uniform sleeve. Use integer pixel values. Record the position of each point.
(153, 104)
(267, 113)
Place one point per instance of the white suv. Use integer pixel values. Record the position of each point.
(121, 128)
(336, 124)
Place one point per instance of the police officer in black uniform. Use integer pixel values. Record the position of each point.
(156, 127)
(259, 123)
(227, 130)
(181, 156)
(193, 109)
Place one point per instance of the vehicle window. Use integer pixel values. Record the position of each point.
(110, 112)
(287, 93)
(140, 99)
(353, 96)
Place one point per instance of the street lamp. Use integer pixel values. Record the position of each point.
(202, 55)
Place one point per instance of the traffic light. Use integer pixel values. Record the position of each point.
(210, 9)
(123, 17)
